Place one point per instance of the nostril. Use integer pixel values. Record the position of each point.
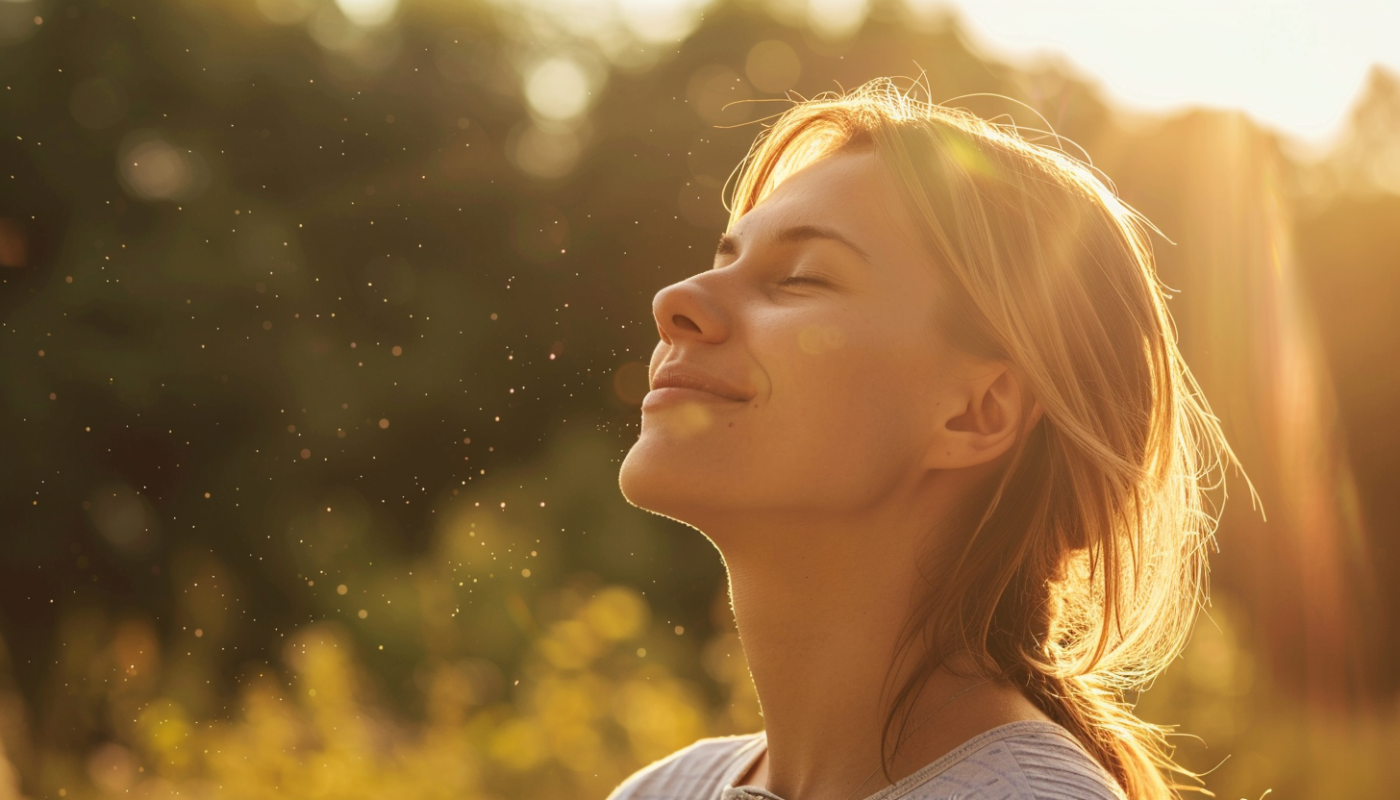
(684, 323)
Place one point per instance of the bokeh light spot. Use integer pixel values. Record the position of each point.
(713, 90)
(544, 150)
(558, 89)
(631, 382)
(368, 13)
(153, 169)
(286, 12)
(773, 66)
(837, 19)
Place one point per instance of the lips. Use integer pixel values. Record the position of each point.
(676, 376)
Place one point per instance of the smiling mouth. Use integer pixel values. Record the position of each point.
(687, 402)
(671, 378)
(668, 393)
(673, 385)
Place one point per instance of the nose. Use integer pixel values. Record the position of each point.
(689, 310)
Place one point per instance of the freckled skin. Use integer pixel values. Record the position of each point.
(831, 427)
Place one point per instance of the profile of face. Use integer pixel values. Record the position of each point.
(804, 375)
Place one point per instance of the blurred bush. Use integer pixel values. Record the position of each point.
(591, 703)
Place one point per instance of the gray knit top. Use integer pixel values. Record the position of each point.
(1028, 760)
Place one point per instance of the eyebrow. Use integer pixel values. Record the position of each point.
(729, 244)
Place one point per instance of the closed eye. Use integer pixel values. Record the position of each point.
(797, 280)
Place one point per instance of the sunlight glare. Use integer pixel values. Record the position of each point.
(1295, 64)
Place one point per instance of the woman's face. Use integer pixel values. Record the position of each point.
(803, 372)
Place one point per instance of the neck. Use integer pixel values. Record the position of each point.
(820, 626)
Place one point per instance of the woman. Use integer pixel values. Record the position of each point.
(928, 405)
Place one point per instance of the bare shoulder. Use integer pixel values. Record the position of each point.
(700, 769)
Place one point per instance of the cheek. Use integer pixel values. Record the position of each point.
(851, 395)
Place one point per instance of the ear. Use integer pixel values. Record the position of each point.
(982, 417)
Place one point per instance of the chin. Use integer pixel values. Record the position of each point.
(676, 479)
(648, 482)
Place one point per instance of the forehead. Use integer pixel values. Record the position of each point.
(849, 192)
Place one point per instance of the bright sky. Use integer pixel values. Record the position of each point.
(1297, 65)
(1293, 64)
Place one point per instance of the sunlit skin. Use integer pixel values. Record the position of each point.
(838, 430)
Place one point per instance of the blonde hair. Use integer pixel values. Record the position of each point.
(1080, 569)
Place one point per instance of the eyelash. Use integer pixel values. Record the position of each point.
(793, 280)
